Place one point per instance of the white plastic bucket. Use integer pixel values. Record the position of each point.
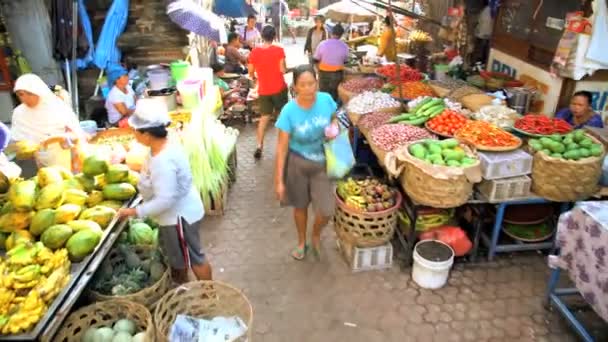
(190, 93)
(159, 79)
(429, 273)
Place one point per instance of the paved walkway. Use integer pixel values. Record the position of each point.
(309, 301)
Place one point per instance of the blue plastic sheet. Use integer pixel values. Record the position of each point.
(115, 23)
(339, 156)
(83, 63)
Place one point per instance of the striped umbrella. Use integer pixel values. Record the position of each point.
(113, 26)
(190, 16)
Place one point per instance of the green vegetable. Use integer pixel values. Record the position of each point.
(536, 146)
(453, 163)
(433, 110)
(546, 151)
(567, 141)
(573, 154)
(448, 143)
(125, 325)
(557, 155)
(586, 142)
(103, 334)
(140, 234)
(596, 150)
(533, 141)
(430, 104)
(418, 150)
(420, 104)
(416, 122)
(401, 117)
(466, 161)
(556, 137)
(572, 146)
(579, 135)
(439, 161)
(452, 155)
(546, 142)
(557, 147)
(585, 153)
(433, 147)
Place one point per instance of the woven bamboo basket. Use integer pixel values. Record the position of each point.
(354, 117)
(344, 94)
(202, 299)
(426, 189)
(365, 229)
(563, 180)
(148, 296)
(104, 314)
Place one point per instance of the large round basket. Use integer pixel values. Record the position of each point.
(104, 314)
(202, 299)
(344, 94)
(365, 229)
(563, 180)
(148, 296)
(355, 117)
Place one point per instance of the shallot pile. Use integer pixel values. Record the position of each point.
(374, 119)
(368, 102)
(359, 85)
(388, 137)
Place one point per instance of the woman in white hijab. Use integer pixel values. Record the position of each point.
(41, 114)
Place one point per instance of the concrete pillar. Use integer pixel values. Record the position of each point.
(29, 27)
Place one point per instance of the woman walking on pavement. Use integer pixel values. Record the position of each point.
(267, 62)
(332, 54)
(315, 36)
(300, 172)
(170, 197)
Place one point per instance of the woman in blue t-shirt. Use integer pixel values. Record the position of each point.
(580, 113)
(300, 174)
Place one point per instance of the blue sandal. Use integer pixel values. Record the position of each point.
(299, 253)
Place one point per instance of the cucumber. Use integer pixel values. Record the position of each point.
(433, 109)
(400, 117)
(430, 104)
(416, 122)
(437, 112)
(420, 104)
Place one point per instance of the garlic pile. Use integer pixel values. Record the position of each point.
(369, 101)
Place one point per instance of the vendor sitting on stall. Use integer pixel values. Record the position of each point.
(229, 95)
(332, 54)
(250, 34)
(580, 113)
(120, 102)
(234, 59)
(387, 47)
(41, 114)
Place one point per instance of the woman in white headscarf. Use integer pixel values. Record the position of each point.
(41, 114)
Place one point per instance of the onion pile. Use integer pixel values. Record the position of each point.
(374, 119)
(359, 85)
(388, 137)
(368, 102)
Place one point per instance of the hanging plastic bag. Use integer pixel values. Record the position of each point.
(339, 156)
(597, 45)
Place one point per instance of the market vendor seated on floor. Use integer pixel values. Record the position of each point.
(230, 94)
(580, 113)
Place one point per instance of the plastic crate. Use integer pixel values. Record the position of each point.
(495, 165)
(500, 190)
(367, 259)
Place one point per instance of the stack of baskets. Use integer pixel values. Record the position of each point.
(200, 299)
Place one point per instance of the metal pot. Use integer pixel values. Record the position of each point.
(168, 96)
(519, 99)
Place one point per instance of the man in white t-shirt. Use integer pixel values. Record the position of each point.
(120, 102)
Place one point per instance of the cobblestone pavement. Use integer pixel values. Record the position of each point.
(323, 301)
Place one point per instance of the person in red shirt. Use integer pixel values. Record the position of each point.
(267, 61)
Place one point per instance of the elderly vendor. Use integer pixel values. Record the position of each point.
(120, 102)
(580, 113)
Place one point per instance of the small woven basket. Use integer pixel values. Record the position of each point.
(104, 314)
(202, 299)
(365, 229)
(148, 296)
(562, 180)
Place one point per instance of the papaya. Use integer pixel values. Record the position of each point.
(95, 197)
(51, 196)
(73, 196)
(119, 192)
(100, 182)
(13, 221)
(94, 165)
(41, 221)
(17, 237)
(100, 214)
(67, 213)
(56, 236)
(117, 173)
(112, 204)
(82, 243)
(25, 149)
(23, 195)
(6, 208)
(65, 173)
(72, 183)
(5, 183)
(133, 178)
(78, 225)
(49, 175)
(88, 183)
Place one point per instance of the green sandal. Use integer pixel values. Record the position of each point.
(299, 253)
(316, 252)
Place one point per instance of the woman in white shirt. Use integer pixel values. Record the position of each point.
(170, 197)
(41, 114)
(120, 102)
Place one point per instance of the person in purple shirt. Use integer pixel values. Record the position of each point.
(331, 54)
(580, 113)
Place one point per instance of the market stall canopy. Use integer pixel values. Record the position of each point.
(233, 8)
(113, 26)
(189, 16)
(351, 11)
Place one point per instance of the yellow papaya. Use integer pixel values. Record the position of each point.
(67, 213)
(13, 221)
(51, 196)
(49, 175)
(73, 196)
(41, 221)
(100, 214)
(95, 197)
(22, 195)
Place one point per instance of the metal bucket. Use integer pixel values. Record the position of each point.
(167, 96)
(519, 99)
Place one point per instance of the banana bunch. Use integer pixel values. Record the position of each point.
(420, 36)
(356, 202)
(425, 222)
(24, 314)
(49, 288)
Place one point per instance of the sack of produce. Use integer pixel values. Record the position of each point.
(438, 174)
(566, 167)
(135, 273)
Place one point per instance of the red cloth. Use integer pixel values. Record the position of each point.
(453, 236)
(267, 64)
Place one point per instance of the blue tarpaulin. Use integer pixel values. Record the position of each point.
(83, 63)
(115, 23)
(233, 8)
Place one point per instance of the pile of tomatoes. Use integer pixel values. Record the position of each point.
(447, 123)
